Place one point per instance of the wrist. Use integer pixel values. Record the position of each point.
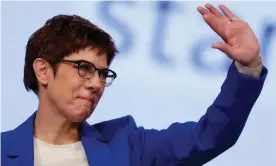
(255, 62)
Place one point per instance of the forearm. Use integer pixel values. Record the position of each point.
(238, 95)
(221, 126)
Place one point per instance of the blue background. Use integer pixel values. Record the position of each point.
(167, 70)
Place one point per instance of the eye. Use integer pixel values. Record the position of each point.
(104, 73)
(86, 67)
(107, 76)
(86, 70)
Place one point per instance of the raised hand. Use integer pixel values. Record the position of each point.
(240, 42)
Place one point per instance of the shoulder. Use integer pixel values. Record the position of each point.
(5, 136)
(112, 127)
(116, 124)
(6, 139)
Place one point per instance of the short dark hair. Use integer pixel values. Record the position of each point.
(61, 36)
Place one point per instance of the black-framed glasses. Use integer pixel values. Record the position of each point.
(87, 69)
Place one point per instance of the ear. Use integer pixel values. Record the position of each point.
(43, 71)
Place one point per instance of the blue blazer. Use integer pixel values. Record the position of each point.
(119, 142)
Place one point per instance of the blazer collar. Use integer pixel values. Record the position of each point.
(96, 146)
(21, 145)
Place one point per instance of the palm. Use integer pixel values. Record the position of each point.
(240, 42)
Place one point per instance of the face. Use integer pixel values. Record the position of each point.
(74, 96)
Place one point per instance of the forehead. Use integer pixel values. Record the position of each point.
(91, 55)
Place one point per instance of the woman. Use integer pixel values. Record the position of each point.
(67, 67)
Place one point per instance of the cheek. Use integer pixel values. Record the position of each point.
(100, 93)
(67, 101)
(75, 85)
(66, 88)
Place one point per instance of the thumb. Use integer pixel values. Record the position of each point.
(224, 47)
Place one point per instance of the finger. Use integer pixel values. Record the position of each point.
(224, 47)
(215, 23)
(228, 13)
(213, 10)
(202, 10)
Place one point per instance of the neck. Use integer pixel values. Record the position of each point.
(52, 128)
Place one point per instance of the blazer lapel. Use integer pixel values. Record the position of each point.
(96, 148)
(21, 148)
(20, 151)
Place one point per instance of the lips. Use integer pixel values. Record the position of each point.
(89, 99)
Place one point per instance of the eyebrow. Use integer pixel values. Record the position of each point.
(91, 63)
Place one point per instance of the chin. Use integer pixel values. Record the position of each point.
(78, 118)
(79, 115)
(79, 112)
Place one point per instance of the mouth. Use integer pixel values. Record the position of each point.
(89, 100)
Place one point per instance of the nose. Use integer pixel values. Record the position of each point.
(94, 83)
